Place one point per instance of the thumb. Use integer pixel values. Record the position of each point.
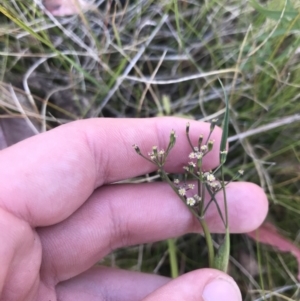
(202, 285)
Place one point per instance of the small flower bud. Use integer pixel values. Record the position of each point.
(200, 140)
(210, 145)
(172, 140)
(161, 153)
(213, 124)
(155, 151)
(187, 129)
(137, 149)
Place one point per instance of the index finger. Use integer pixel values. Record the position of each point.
(47, 177)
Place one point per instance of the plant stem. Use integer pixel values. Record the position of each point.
(173, 258)
(225, 199)
(210, 247)
(224, 249)
(207, 235)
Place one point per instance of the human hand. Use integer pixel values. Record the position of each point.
(60, 215)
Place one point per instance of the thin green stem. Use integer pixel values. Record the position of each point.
(190, 142)
(219, 167)
(209, 243)
(199, 192)
(173, 258)
(199, 165)
(225, 199)
(213, 199)
(207, 235)
(202, 199)
(208, 137)
(222, 257)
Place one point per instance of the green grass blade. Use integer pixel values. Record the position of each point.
(225, 123)
(222, 257)
(173, 258)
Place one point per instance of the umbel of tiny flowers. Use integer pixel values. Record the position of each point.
(156, 156)
(193, 195)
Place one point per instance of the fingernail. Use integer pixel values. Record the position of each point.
(222, 289)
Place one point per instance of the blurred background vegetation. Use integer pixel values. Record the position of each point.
(145, 58)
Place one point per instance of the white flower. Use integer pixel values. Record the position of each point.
(192, 155)
(215, 184)
(192, 164)
(182, 191)
(210, 177)
(197, 198)
(176, 181)
(161, 152)
(241, 172)
(204, 148)
(191, 186)
(190, 201)
(199, 155)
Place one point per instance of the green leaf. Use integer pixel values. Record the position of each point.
(166, 104)
(224, 127)
(222, 257)
(173, 258)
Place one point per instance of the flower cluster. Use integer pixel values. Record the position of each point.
(156, 154)
(199, 153)
(206, 184)
(206, 180)
(158, 157)
(182, 191)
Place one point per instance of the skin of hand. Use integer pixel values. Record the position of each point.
(66, 7)
(60, 214)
